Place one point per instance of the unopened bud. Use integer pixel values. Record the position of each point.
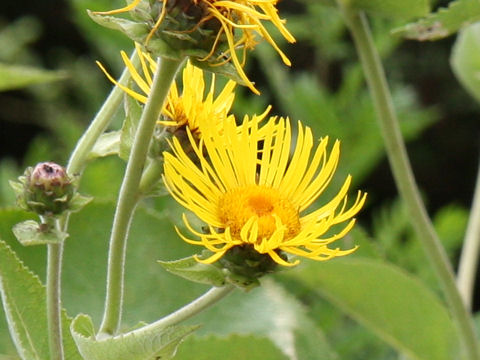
(46, 190)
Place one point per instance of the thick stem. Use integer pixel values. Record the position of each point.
(470, 250)
(100, 123)
(54, 320)
(128, 196)
(404, 179)
(198, 305)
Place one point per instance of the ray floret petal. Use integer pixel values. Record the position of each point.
(191, 106)
(237, 23)
(250, 189)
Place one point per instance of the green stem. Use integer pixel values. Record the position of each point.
(128, 196)
(196, 306)
(54, 320)
(55, 251)
(100, 123)
(404, 179)
(471, 246)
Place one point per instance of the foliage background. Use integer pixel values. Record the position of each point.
(324, 88)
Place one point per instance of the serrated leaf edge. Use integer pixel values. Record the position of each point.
(12, 328)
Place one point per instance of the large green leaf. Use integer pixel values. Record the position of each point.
(465, 59)
(444, 22)
(130, 346)
(16, 76)
(234, 347)
(150, 291)
(24, 302)
(269, 311)
(393, 304)
(152, 237)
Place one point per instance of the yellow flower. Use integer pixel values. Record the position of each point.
(238, 21)
(192, 107)
(250, 192)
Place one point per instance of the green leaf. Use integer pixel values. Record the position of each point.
(268, 310)
(192, 270)
(465, 59)
(23, 298)
(30, 232)
(16, 76)
(234, 347)
(136, 31)
(78, 202)
(108, 144)
(8, 357)
(404, 9)
(133, 111)
(393, 304)
(148, 288)
(444, 22)
(135, 345)
(226, 69)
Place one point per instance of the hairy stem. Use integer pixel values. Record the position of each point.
(471, 246)
(128, 197)
(196, 306)
(55, 251)
(100, 123)
(54, 307)
(404, 178)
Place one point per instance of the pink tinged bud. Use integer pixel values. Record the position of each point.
(47, 189)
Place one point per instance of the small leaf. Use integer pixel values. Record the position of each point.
(24, 302)
(192, 270)
(442, 23)
(393, 304)
(404, 9)
(226, 69)
(31, 232)
(78, 202)
(133, 111)
(465, 59)
(137, 31)
(15, 76)
(108, 144)
(17, 187)
(139, 344)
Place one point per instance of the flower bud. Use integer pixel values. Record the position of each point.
(46, 190)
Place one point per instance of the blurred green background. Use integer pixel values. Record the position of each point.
(52, 47)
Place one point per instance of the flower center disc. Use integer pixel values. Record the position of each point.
(239, 205)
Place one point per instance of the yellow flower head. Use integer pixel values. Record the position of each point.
(235, 21)
(189, 109)
(250, 192)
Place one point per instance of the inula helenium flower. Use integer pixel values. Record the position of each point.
(251, 192)
(188, 108)
(215, 28)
